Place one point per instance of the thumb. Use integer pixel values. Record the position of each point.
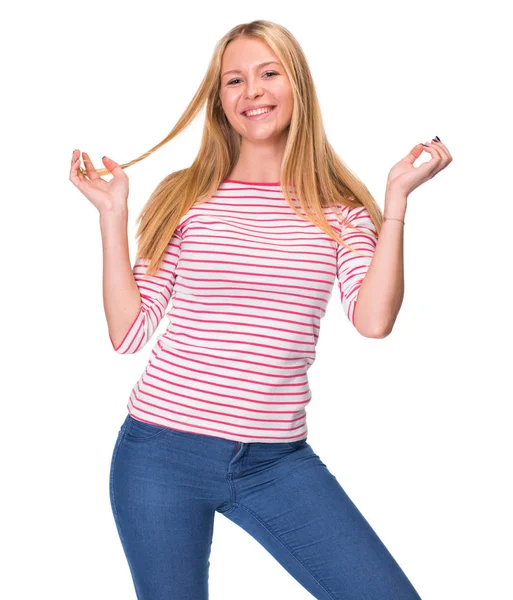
(112, 165)
(414, 153)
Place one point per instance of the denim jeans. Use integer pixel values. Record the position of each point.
(166, 486)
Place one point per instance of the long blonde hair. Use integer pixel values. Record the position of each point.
(319, 177)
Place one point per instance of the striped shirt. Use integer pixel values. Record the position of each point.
(244, 283)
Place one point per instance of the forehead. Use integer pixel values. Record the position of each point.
(246, 54)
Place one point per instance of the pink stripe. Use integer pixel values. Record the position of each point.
(231, 377)
(247, 218)
(291, 424)
(167, 404)
(268, 240)
(231, 359)
(244, 264)
(292, 249)
(217, 395)
(248, 342)
(221, 432)
(263, 308)
(210, 244)
(261, 326)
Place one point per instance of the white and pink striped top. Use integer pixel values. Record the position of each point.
(244, 284)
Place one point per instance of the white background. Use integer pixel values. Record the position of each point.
(414, 426)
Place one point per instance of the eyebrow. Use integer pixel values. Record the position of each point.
(257, 67)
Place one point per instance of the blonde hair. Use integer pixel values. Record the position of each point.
(319, 177)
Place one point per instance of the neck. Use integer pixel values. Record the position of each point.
(259, 161)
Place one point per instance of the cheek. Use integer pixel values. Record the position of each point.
(285, 97)
(228, 102)
(224, 102)
(229, 105)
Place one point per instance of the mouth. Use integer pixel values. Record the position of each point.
(260, 116)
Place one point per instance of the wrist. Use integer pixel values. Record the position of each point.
(395, 192)
(396, 219)
(393, 212)
(113, 216)
(395, 205)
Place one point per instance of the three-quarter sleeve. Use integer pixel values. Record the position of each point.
(155, 291)
(352, 267)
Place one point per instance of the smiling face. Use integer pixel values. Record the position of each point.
(252, 83)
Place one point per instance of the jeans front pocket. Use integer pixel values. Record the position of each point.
(124, 425)
(141, 431)
(297, 443)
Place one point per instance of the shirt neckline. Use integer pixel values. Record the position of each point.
(251, 182)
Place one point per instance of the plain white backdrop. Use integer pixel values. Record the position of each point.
(416, 426)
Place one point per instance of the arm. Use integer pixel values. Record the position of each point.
(134, 303)
(377, 280)
(382, 290)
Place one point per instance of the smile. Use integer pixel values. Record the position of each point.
(259, 114)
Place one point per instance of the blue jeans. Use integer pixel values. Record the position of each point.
(166, 486)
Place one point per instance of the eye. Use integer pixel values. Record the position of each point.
(266, 73)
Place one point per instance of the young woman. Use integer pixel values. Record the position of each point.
(247, 243)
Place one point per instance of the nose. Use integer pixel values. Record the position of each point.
(253, 88)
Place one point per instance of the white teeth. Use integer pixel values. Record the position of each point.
(258, 111)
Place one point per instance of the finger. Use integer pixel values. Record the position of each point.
(74, 157)
(427, 170)
(431, 166)
(440, 148)
(76, 175)
(444, 158)
(80, 172)
(90, 170)
(435, 151)
(443, 147)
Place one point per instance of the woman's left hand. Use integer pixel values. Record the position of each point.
(404, 177)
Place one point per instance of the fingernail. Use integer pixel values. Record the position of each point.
(438, 138)
(423, 144)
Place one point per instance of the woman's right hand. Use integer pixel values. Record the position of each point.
(106, 196)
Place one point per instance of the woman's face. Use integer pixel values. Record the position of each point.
(251, 83)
